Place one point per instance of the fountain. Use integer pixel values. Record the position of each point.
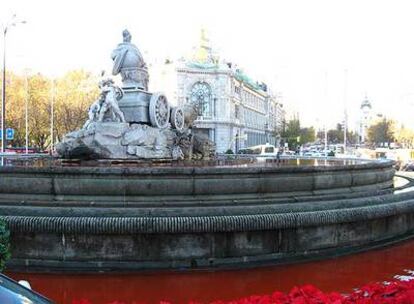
(131, 213)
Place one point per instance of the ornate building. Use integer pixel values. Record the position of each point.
(365, 119)
(234, 111)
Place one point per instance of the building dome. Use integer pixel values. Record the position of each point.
(366, 104)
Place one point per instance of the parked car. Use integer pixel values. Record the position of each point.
(12, 292)
(288, 153)
(408, 167)
(245, 151)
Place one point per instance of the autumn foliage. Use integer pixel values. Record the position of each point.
(72, 94)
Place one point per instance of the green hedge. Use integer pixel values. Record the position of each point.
(4, 244)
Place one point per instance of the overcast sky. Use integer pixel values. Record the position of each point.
(317, 54)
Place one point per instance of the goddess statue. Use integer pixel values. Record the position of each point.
(129, 62)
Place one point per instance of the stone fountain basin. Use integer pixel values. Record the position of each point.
(134, 218)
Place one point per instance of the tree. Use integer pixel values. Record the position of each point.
(291, 133)
(73, 93)
(381, 132)
(336, 136)
(405, 137)
(38, 97)
(295, 136)
(307, 135)
(15, 98)
(352, 137)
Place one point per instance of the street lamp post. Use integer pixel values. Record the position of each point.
(13, 22)
(27, 112)
(52, 117)
(345, 111)
(3, 93)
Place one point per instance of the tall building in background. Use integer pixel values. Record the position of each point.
(234, 111)
(365, 119)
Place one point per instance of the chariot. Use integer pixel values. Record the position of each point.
(140, 106)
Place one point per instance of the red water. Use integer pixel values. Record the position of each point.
(339, 274)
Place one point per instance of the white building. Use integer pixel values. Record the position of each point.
(235, 112)
(365, 120)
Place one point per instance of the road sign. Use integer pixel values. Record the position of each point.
(9, 134)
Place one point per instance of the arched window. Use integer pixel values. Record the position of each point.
(201, 95)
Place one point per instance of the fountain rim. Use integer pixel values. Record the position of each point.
(250, 168)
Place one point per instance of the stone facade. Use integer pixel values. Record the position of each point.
(234, 112)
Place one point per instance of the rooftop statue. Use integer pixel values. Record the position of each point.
(129, 62)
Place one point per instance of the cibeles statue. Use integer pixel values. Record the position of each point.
(129, 62)
(128, 122)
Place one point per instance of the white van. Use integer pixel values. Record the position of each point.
(264, 150)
